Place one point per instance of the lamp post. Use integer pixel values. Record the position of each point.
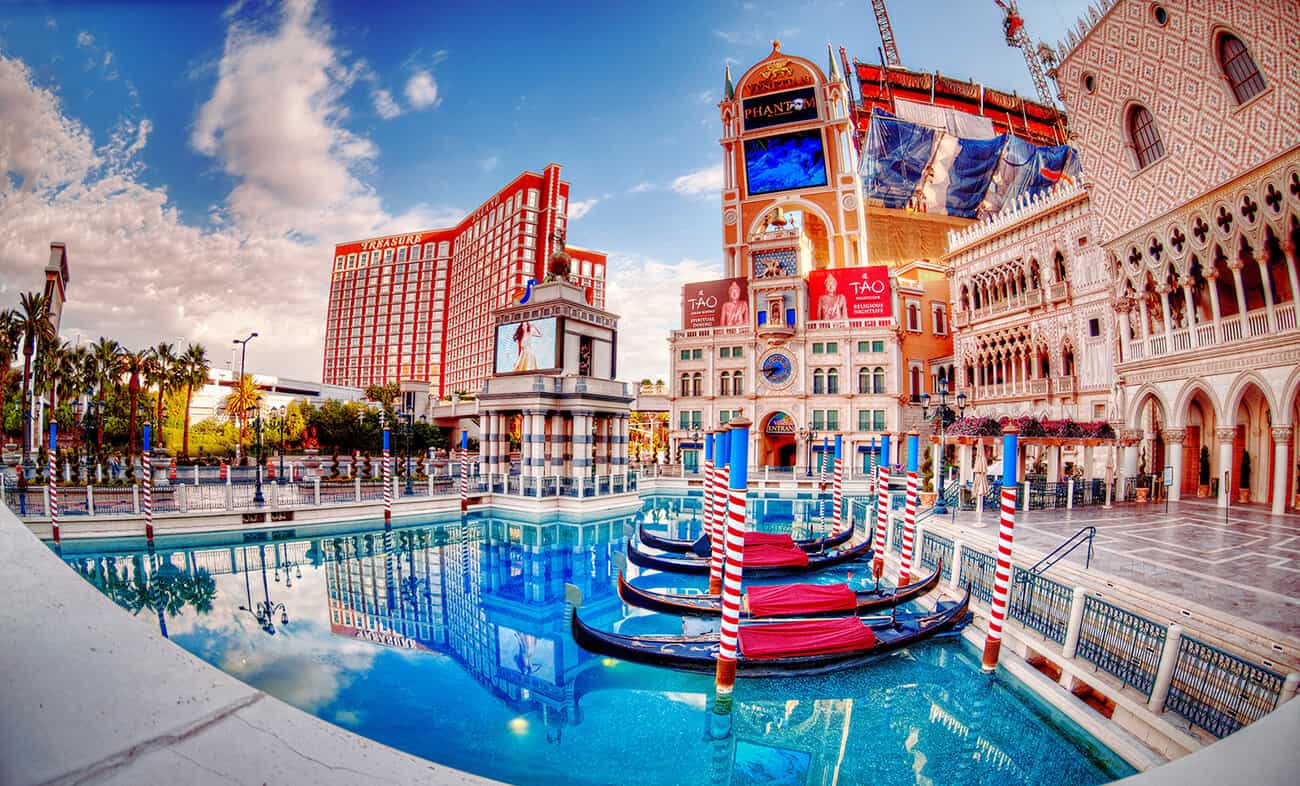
(695, 441)
(808, 435)
(243, 352)
(943, 411)
(407, 419)
(263, 610)
(255, 411)
(283, 413)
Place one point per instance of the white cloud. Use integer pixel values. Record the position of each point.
(706, 97)
(385, 106)
(579, 209)
(490, 163)
(646, 294)
(40, 149)
(108, 57)
(422, 90)
(85, 39)
(52, 23)
(701, 181)
(642, 187)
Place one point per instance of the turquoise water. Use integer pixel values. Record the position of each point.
(449, 640)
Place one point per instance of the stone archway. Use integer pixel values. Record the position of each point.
(1252, 457)
(1198, 412)
(777, 445)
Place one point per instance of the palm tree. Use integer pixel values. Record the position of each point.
(136, 364)
(34, 316)
(11, 333)
(107, 357)
(241, 399)
(192, 372)
(161, 374)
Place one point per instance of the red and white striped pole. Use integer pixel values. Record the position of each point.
(1006, 532)
(388, 483)
(837, 486)
(737, 488)
(909, 510)
(882, 509)
(721, 479)
(52, 480)
(464, 471)
(707, 506)
(147, 465)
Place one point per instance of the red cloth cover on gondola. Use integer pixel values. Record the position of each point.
(814, 637)
(765, 555)
(768, 539)
(790, 599)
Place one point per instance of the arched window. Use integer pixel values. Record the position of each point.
(916, 383)
(1067, 360)
(1144, 137)
(878, 380)
(724, 384)
(697, 384)
(737, 383)
(833, 381)
(914, 317)
(684, 387)
(1240, 69)
(819, 381)
(1061, 273)
(864, 380)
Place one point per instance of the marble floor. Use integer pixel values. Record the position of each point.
(1246, 562)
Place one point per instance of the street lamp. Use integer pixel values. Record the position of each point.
(695, 440)
(943, 411)
(808, 434)
(406, 419)
(283, 413)
(243, 352)
(263, 610)
(254, 411)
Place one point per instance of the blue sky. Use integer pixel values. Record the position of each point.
(200, 159)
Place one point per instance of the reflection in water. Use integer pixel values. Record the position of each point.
(451, 641)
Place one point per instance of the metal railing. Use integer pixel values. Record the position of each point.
(1041, 604)
(1085, 535)
(977, 570)
(1121, 643)
(896, 542)
(934, 548)
(1218, 691)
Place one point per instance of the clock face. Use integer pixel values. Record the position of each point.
(777, 369)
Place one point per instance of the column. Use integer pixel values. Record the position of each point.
(1189, 308)
(1281, 444)
(1146, 319)
(1224, 436)
(1128, 467)
(1288, 252)
(1216, 313)
(558, 440)
(1174, 447)
(1122, 309)
(485, 442)
(1267, 286)
(1164, 309)
(1053, 463)
(582, 443)
(529, 451)
(1236, 265)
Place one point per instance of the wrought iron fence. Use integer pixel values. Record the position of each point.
(934, 548)
(977, 570)
(1219, 691)
(1122, 643)
(896, 545)
(1041, 604)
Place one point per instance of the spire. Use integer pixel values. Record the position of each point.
(729, 91)
(834, 70)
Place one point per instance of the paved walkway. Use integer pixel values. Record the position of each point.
(1247, 564)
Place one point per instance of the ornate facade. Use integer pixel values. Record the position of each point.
(1187, 118)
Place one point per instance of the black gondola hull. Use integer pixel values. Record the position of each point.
(675, 546)
(699, 566)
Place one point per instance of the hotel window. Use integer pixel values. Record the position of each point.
(819, 382)
(338, 261)
(428, 251)
(940, 323)
(388, 255)
(1144, 137)
(832, 381)
(914, 317)
(697, 419)
(737, 352)
(697, 354)
(684, 422)
(819, 419)
(697, 384)
(532, 198)
(725, 352)
(724, 384)
(817, 347)
(1240, 69)
(738, 383)
(864, 380)
(878, 380)
(826, 420)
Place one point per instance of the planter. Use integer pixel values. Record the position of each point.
(928, 498)
(1142, 493)
(1203, 491)
(1243, 495)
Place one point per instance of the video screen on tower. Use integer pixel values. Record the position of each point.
(785, 162)
(531, 345)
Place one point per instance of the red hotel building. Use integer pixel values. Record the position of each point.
(416, 307)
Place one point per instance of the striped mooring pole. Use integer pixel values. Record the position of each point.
(882, 509)
(909, 510)
(147, 465)
(821, 480)
(53, 481)
(707, 503)
(388, 483)
(721, 479)
(737, 484)
(1006, 532)
(464, 471)
(837, 486)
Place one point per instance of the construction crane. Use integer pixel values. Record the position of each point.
(1013, 25)
(886, 33)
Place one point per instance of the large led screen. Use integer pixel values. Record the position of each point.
(527, 346)
(784, 162)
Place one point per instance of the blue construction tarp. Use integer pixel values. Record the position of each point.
(910, 164)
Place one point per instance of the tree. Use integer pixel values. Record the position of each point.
(135, 364)
(244, 397)
(385, 394)
(107, 356)
(11, 333)
(34, 316)
(192, 372)
(160, 373)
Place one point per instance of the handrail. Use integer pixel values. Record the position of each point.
(1084, 535)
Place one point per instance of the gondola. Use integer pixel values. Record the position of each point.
(784, 648)
(700, 546)
(829, 603)
(760, 561)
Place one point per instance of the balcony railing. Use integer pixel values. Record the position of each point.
(1058, 291)
(1254, 324)
(1038, 387)
(1063, 385)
